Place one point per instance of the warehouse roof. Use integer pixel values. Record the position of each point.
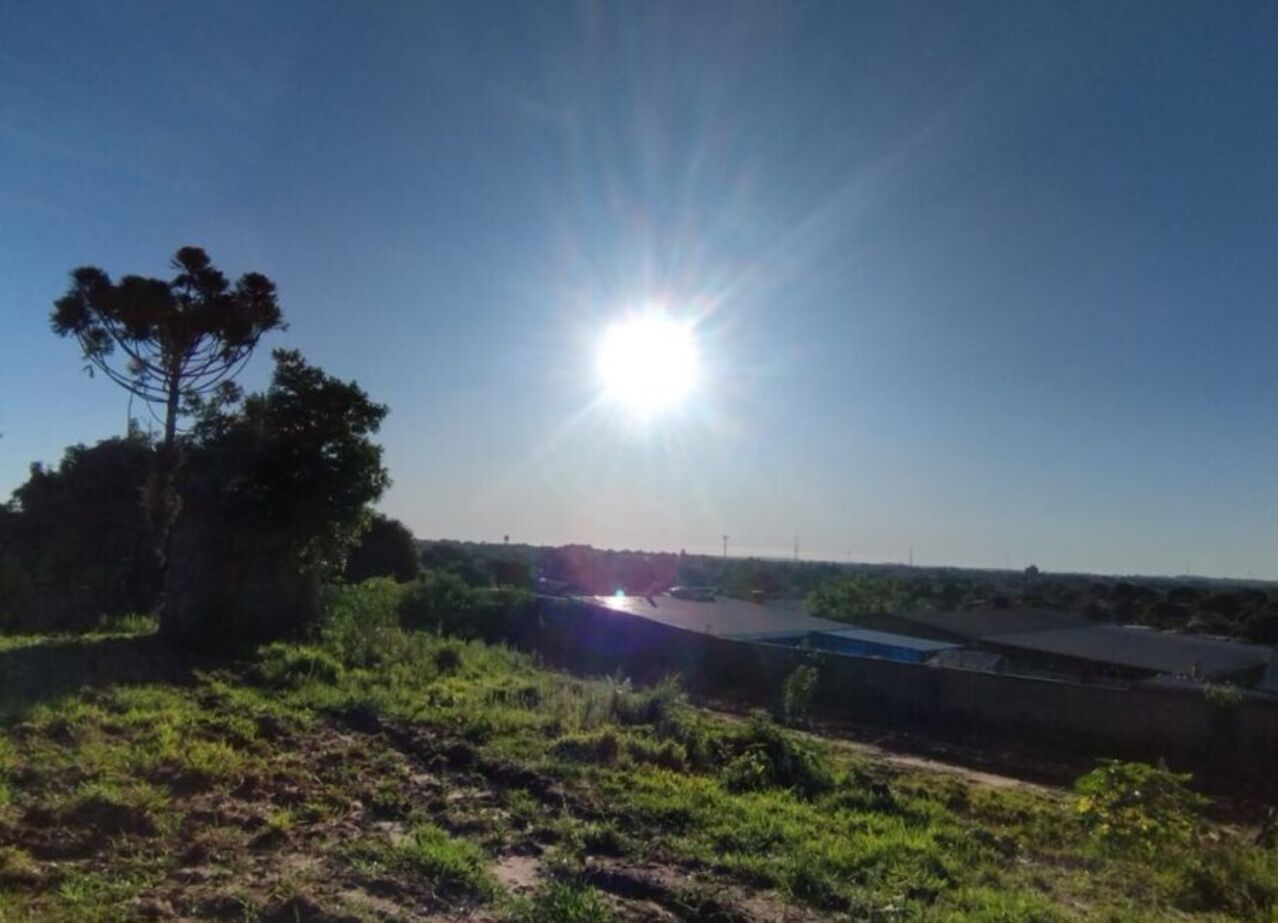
(979, 623)
(1141, 648)
(724, 618)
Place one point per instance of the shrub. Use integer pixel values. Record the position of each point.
(361, 622)
(764, 756)
(668, 753)
(796, 695)
(655, 705)
(448, 658)
(287, 666)
(1222, 696)
(596, 747)
(1137, 807)
(77, 542)
(435, 601)
(1235, 880)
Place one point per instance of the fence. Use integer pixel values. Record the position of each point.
(1218, 740)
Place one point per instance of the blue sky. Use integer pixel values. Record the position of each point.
(995, 282)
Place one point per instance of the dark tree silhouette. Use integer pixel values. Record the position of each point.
(386, 549)
(78, 545)
(275, 494)
(181, 339)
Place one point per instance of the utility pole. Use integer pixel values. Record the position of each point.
(796, 547)
(725, 546)
(911, 556)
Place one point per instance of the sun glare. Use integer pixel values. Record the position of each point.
(648, 363)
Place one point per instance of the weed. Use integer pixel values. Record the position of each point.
(565, 902)
(796, 695)
(205, 763)
(129, 623)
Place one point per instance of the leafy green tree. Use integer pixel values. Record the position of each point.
(453, 558)
(846, 598)
(181, 338)
(386, 549)
(275, 493)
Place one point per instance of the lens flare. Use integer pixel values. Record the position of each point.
(648, 363)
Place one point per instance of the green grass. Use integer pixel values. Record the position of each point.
(448, 866)
(585, 769)
(565, 902)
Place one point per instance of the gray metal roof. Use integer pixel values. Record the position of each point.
(724, 618)
(1141, 648)
(979, 623)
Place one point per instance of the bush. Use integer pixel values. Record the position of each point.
(655, 705)
(436, 600)
(1222, 696)
(448, 658)
(287, 666)
(77, 543)
(796, 695)
(1138, 808)
(763, 756)
(596, 747)
(360, 625)
(1235, 880)
(667, 754)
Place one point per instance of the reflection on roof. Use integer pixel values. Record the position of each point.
(869, 636)
(724, 618)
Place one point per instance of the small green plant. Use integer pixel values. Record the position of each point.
(796, 695)
(452, 866)
(206, 763)
(566, 902)
(1222, 696)
(1137, 807)
(361, 625)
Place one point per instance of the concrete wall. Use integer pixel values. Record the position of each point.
(1179, 725)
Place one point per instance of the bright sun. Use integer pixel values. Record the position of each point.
(648, 363)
